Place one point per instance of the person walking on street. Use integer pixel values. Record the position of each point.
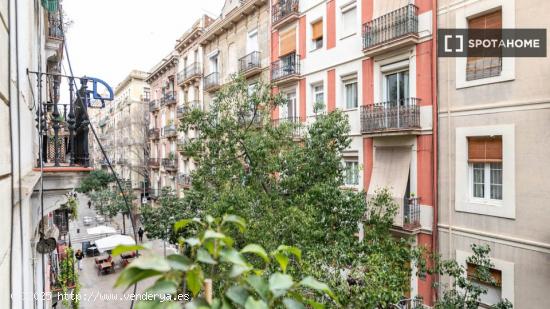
(79, 255)
(140, 234)
(89, 204)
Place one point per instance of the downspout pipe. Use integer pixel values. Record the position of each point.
(435, 134)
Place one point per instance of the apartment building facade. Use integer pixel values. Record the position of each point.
(373, 60)
(163, 133)
(493, 150)
(237, 42)
(122, 130)
(190, 82)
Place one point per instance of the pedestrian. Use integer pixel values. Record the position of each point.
(140, 234)
(79, 255)
(89, 204)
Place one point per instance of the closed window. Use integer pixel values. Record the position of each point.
(318, 94)
(484, 66)
(350, 93)
(397, 87)
(351, 172)
(485, 163)
(317, 35)
(492, 283)
(349, 20)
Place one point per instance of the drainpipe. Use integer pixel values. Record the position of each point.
(435, 128)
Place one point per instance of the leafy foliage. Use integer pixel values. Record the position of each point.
(68, 278)
(97, 180)
(255, 281)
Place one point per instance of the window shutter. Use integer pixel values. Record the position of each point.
(485, 149)
(317, 30)
(483, 67)
(287, 41)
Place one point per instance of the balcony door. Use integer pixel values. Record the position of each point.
(214, 63)
(289, 112)
(397, 88)
(252, 42)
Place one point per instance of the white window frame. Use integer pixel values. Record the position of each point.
(352, 161)
(314, 94)
(506, 208)
(313, 43)
(343, 10)
(508, 21)
(486, 185)
(249, 47)
(346, 80)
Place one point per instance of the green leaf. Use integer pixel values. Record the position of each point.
(197, 303)
(237, 270)
(124, 248)
(280, 283)
(131, 275)
(179, 262)
(205, 257)
(162, 287)
(152, 304)
(193, 242)
(150, 262)
(314, 304)
(256, 249)
(292, 304)
(240, 222)
(252, 303)
(282, 259)
(237, 294)
(210, 234)
(259, 284)
(233, 256)
(313, 283)
(291, 250)
(182, 224)
(194, 279)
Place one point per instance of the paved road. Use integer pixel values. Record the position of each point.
(97, 291)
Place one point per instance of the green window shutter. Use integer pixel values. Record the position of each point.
(50, 5)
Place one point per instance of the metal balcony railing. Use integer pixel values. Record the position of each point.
(154, 105)
(212, 81)
(170, 130)
(390, 116)
(297, 127)
(249, 62)
(184, 180)
(411, 214)
(54, 27)
(391, 26)
(168, 98)
(169, 164)
(187, 107)
(153, 162)
(154, 133)
(286, 66)
(193, 70)
(284, 8)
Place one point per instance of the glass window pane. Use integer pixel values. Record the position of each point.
(479, 180)
(496, 181)
(391, 85)
(351, 94)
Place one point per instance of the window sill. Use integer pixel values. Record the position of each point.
(315, 49)
(351, 109)
(345, 36)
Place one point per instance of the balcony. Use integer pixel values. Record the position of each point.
(154, 163)
(297, 128)
(169, 164)
(190, 74)
(394, 30)
(187, 108)
(182, 144)
(212, 82)
(154, 133)
(184, 180)
(391, 118)
(286, 69)
(250, 65)
(411, 214)
(54, 27)
(284, 12)
(154, 106)
(168, 98)
(170, 131)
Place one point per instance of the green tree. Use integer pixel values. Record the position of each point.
(96, 181)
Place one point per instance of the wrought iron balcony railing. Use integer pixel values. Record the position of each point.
(283, 10)
(193, 70)
(184, 180)
(391, 26)
(296, 126)
(286, 67)
(168, 98)
(170, 130)
(153, 162)
(54, 26)
(390, 116)
(187, 107)
(154, 106)
(212, 81)
(250, 62)
(154, 133)
(169, 164)
(411, 214)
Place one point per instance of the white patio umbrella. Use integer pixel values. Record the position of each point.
(109, 243)
(102, 229)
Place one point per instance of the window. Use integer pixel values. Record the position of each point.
(317, 35)
(397, 87)
(349, 16)
(350, 93)
(351, 173)
(252, 42)
(318, 93)
(287, 42)
(484, 67)
(493, 286)
(485, 163)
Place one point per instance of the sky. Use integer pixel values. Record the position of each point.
(109, 38)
